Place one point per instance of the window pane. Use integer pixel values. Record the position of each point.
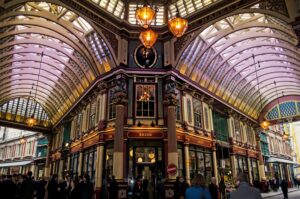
(145, 100)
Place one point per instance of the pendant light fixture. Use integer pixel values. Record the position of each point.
(265, 123)
(32, 121)
(178, 25)
(145, 15)
(148, 38)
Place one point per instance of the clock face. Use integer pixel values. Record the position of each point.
(145, 57)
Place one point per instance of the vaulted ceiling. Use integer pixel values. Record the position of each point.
(50, 55)
(246, 59)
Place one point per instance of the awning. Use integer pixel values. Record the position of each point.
(271, 160)
(19, 163)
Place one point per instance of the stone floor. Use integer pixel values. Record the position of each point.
(294, 193)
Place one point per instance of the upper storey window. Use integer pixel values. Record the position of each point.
(145, 100)
(111, 105)
(157, 21)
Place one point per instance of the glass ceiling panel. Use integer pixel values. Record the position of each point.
(116, 7)
(186, 7)
(54, 44)
(231, 42)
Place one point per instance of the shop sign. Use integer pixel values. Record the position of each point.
(151, 135)
(172, 169)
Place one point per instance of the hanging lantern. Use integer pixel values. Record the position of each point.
(31, 121)
(178, 26)
(265, 125)
(148, 38)
(144, 16)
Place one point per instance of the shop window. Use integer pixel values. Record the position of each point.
(74, 164)
(145, 101)
(111, 105)
(89, 162)
(200, 162)
(108, 163)
(189, 110)
(178, 107)
(242, 165)
(254, 168)
(92, 115)
(197, 113)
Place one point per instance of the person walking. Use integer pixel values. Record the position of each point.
(27, 186)
(222, 188)
(74, 190)
(86, 188)
(284, 188)
(40, 188)
(9, 188)
(52, 187)
(213, 188)
(198, 189)
(244, 190)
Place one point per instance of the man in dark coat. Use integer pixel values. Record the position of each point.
(40, 188)
(244, 190)
(86, 188)
(113, 188)
(284, 188)
(53, 187)
(27, 186)
(213, 188)
(9, 188)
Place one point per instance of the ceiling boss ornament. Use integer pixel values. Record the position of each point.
(145, 16)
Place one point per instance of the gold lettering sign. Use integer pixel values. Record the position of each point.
(145, 134)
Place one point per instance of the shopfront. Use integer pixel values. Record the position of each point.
(241, 165)
(200, 162)
(89, 159)
(146, 165)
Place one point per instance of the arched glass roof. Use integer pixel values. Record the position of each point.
(74, 54)
(220, 59)
(19, 109)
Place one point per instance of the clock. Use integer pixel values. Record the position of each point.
(145, 57)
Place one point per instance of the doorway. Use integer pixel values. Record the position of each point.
(146, 171)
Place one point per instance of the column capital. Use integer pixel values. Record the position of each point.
(120, 98)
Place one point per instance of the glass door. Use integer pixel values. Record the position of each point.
(145, 171)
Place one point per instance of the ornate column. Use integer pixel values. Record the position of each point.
(233, 166)
(261, 166)
(61, 168)
(187, 162)
(170, 102)
(48, 157)
(99, 169)
(80, 158)
(215, 162)
(249, 170)
(120, 99)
